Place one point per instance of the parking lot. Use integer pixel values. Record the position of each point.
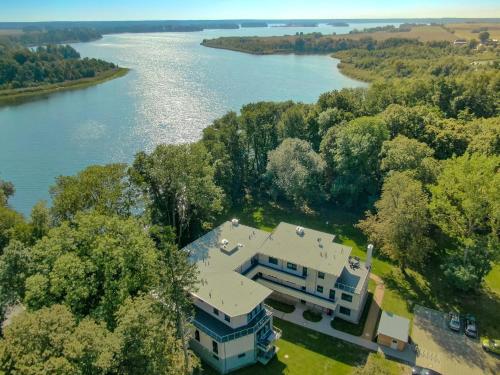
(446, 351)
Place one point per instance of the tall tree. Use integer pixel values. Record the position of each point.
(178, 181)
(50, 341)
(92, 265)
(105, 189)
(401, 224)
(296, 171)
(465, 205)
(352, 156)
(149, 342)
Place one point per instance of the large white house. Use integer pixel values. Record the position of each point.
(241, 266)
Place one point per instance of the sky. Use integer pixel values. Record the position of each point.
(83, 10)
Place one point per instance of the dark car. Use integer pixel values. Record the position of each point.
(471, 326)
(417, 370)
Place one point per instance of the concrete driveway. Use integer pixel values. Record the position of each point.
(445, 351)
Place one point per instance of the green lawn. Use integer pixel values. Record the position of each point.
(427, 287)
(306, 352)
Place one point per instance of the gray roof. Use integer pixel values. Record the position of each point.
(313, 249)
(394, 326)
(220, 253)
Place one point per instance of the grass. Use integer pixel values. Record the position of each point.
(306, 352)
(377, 362)
(351, 328)
(312, 316)
(13, 95)
(280, 306)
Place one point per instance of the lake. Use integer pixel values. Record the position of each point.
(175, 89)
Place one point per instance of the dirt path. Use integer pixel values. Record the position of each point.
(376, 306)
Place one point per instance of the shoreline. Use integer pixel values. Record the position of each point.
(10, 96)
(342, 66)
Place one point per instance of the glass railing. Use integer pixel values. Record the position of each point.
(257, 323)
(347, 288)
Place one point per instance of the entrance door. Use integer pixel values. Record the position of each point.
(394, 344)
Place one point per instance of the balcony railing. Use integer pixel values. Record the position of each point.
(266, 343)
(347, 288)
(261, 319)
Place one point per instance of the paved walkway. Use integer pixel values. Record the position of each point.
(323, 326)
(376, 306)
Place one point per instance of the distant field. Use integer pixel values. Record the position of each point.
(422, 33)
(465, 30)
(10, 32)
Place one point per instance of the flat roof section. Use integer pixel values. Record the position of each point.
(394, 326)
(312, 249)
(230, 292)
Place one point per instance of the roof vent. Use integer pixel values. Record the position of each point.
(235, 222)
(299, 231)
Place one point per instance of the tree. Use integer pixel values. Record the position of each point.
(485, 137)
(401, 224)
(178, 181)
(484, 36)
(149, 340)
(105, 189)
(6, 191)
(50, 341)
(12, 226)
(465, 205)
(332, 117)
(180, 279)
(40, 220)
(405, 154)
(351, 152)
(92, 265)
(409, 121)
(295, 170)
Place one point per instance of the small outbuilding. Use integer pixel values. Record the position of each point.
(393, 331)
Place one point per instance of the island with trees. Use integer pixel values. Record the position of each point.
(410, 163)
(28, 72)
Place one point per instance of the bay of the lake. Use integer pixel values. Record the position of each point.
(175, 88)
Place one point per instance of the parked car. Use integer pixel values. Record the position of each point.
(454, 322)
(417, 370)
(492, 346)
(470, 326)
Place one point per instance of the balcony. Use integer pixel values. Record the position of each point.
(221, 332)
(346, 288)
(266, 343)
(265, 357)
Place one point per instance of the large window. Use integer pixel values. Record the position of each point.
(215, 347)
(319, 289)
(346, 297)
(291, 266)
(197, 335)
(332, 295)
(227, 318)
(321, 275)
(345, 310)
(273, 260)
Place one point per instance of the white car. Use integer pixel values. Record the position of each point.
(454, 322)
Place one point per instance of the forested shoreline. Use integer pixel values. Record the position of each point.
(418, 151)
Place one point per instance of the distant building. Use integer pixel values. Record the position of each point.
(460, 42)
(393, 331)
(241, 266)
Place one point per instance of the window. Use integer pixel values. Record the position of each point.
(216, 312)
(321, 275)
(346, 297)
(319, 289)
(241, 355)
(215, 347)
(215, 357)
(303, 288)
(227, 318)
(345, 310)
(332, 295)
(394, 341)
(304, 271)
(197, 335)
(291, 266)
(273, 260)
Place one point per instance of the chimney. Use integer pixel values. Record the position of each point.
(369, 252)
